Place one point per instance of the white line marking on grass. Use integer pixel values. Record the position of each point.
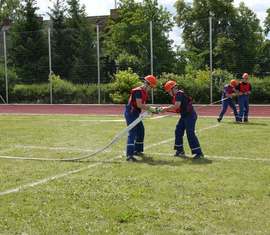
(58, 176)
(96, 120)
(48, 179)
(232, 117)
(207, 128)
(53, 148)
(45, 180)
(158, 117)
(220, 157)
(240, 158)
(171, 139)
(71, 120)
(28, 158)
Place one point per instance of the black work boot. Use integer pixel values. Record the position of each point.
(131, 159)
(180, 154)
(198, 156)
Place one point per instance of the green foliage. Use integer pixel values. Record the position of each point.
(264, 58)
(64, 92)
(60, 40)
(73, 43)
(29, 52)
(267, 22)
(8, 9)
(125, 61)
(129, 34)
(237, 34)
(12, 79)
(188, 83)
(196, 84)
(220, 78)
(260, 93)
(123, 82)
(35, 93)
(81, 46)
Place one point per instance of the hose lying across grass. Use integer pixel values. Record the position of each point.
(112, 142)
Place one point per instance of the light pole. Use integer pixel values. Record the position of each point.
(211, 57)
(5, 55)
(98, 63)
(50, 64)
(151, 56)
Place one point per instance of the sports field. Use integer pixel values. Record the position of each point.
(228, 192)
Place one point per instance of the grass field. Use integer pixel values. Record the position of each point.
(227, 193)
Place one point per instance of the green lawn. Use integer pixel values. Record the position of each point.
(226, 193)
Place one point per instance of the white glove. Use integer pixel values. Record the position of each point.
(160, 110)
(152, 109)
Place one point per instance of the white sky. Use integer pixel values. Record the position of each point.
(102, 7)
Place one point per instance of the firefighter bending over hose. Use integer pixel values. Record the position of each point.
(183, 104)
(137, 103)
(229, 91)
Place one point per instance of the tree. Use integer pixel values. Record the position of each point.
(236, 33)
(60, 40)
(267, 22)
(82, 47)
(8, 9)
(247, 33)
(127, 40)
(264, 58)
(29, 51)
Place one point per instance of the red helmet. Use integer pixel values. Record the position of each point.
(234, 83)
(152, 80)
(169, 85)
(245, 76)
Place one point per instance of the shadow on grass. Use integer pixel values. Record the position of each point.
(116, 162)
(247, 123)
(174, 161)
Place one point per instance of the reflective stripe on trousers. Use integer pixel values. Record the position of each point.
(136, 135)
(187, 124)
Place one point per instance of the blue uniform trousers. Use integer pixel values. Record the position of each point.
(225, 104)
(135, 141)
(243, 102)
(187, 123)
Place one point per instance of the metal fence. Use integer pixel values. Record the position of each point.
(49, 63)
(89, 71)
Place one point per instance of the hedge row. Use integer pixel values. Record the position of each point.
(64, 92)
(196, 84)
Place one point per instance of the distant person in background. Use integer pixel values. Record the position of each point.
(244, 90)
(137, 103)
(229, 91)
(182, 103)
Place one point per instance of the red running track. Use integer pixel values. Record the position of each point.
(111, 109)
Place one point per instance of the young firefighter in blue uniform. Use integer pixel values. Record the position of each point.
(183, 104)
(244, 89)
(227, 94)
(137, 103)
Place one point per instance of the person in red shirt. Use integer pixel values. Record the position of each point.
(244, 90)
(181, 103)
(227, 94)
(137, 103)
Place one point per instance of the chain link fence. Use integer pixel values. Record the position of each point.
(45, 71)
